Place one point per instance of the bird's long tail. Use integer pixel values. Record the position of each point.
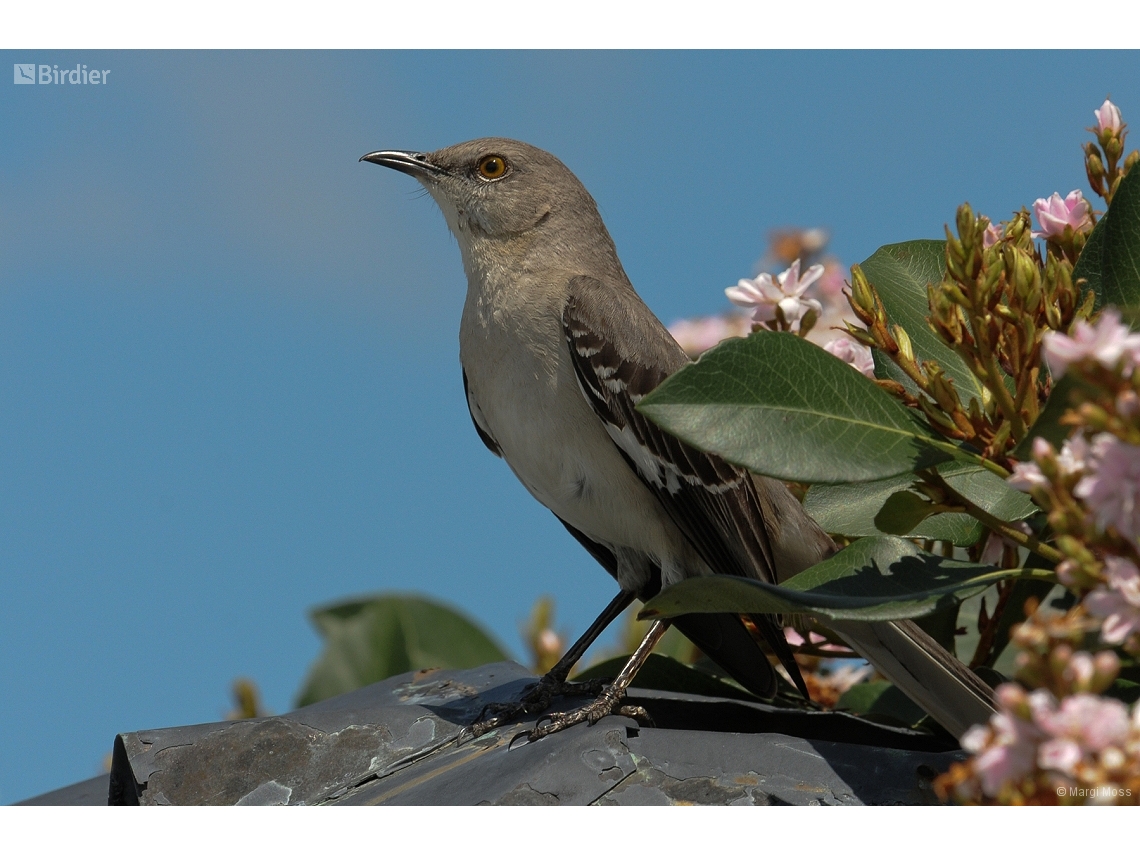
(923, 670)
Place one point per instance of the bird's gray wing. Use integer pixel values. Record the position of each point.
(620, 353)
(724, 513)
(477, 420)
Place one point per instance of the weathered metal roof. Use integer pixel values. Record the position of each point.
(395, 743)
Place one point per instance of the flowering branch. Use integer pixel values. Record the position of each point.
(778, 301)
(1110, 132)
(1012, 356)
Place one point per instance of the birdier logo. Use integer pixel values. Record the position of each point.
(28, 72)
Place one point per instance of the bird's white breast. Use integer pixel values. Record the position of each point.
(521, 379)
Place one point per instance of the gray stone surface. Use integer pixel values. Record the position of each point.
(395, 743)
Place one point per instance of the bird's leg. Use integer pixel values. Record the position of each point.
(540, 695)
(610, 698)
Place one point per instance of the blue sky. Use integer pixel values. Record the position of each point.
(229, 383)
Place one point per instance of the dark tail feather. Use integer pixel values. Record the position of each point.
(929, 675)
(773, 633)
(728, 643)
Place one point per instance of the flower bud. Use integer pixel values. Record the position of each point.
(1080, 671)
(1026, 275)
(1093, 164)
(807, 322)
(1108, 118)
(1073, 548)
(894, 387)
(859, 334)
(965, 221)
(1029, 635)
(1001, 438)
(1093, 416)
(1017, 226)
(1069, 573)
(1060, 658)
(1052, 315)
(1013, 698)
(1128, 404)
(938, 418)
(1106, 666)
(1112, 759)
(906, 349)
(1032, 301)
(862, 295)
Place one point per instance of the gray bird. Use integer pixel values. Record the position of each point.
(557, 349)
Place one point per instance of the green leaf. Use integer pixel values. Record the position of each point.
(1088, 264)
(880, 700)
(902, 512)
(988, 491)
(901, 273)
(875, 578)
(667, 674)
(852, 510)
(784, 407)
(373, 638)
(1124, 690)
(885, 369)
(1120, 254)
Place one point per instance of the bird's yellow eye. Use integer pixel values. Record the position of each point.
(493, 166)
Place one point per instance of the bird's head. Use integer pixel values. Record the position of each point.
(493, 187)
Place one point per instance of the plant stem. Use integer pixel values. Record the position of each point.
(1005, 529)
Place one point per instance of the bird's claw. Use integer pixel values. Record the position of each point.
(538, 698)
(592, 713)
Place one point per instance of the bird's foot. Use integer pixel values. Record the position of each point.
(537, 699)
(607, 703)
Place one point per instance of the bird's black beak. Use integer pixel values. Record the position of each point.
(414, 163)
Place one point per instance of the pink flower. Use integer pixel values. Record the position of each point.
(1007, 748)
(1128, 404)
(993, 234)
(832, 282)
(856, 355)
(1074, 456)
(699, 334)
(1026, 476)
(1111, 488)
(995, 544)
(1002, 761)
(1108, 117)
(993, 550)
(1108, 341)
(1081, 668)
(1055, 213)
(1071, 461)
(1032, 731)
(1060, 754)
(795, 639)
(1068, 573)
(1118, 602)
(1091, 722)
(765, 293)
